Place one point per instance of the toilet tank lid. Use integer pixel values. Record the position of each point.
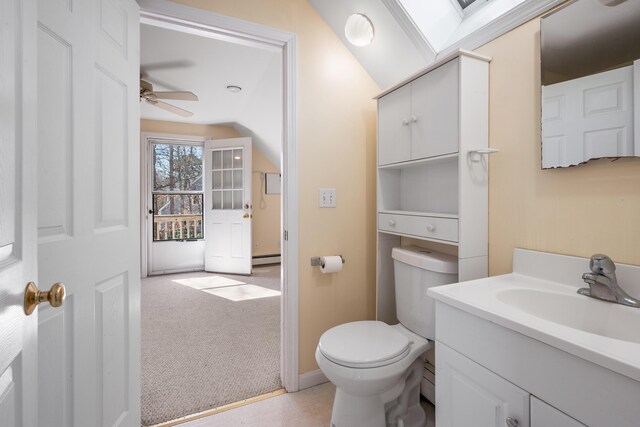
(426, 259)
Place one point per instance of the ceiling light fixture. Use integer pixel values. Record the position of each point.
(234, 89)
(358, 30)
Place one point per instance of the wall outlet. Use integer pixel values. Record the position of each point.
(327, 198)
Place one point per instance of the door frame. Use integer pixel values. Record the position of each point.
(171, 15)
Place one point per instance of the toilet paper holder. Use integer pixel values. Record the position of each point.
(316, 261)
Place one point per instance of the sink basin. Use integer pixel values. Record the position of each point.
(576, 311)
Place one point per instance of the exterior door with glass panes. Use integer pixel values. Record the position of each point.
(176, 230)
(227, 210)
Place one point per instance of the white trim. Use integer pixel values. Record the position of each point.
(399, 13)
(517, 16)
(197, 21)
(311, 379)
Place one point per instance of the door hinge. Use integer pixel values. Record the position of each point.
(286, 235)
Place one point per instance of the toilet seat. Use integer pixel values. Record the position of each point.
(365, 344)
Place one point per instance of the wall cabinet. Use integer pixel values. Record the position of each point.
(469, 394)
(420, 119)
(432, 181)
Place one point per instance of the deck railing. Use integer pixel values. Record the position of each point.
(176, 227)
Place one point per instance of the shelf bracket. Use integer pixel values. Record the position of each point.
(476, 155)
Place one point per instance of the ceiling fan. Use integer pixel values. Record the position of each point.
(148, 94)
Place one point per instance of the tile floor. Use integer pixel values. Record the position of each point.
(308, 408)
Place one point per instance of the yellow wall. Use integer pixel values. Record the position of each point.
(266, 210)
(266, 221)
(336, 148)
(577, 211)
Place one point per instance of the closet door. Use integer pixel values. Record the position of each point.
(394, 133)
(435, 115)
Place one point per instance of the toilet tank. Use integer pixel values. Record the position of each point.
(416, 270)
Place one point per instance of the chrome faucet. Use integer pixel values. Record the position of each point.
(603, 283)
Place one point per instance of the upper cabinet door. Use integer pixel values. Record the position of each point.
(434, 118)
(394, 133)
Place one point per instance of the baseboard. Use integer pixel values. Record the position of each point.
(311, 379)
(266, 259)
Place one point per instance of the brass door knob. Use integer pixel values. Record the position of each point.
(33, 296)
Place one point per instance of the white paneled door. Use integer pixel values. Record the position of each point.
(227, 213)
(18, 333)
(69, 120)
(88, 212)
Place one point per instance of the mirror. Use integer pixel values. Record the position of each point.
(590, 53)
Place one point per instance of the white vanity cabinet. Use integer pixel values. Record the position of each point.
(545, 415)
(471, 395)
(432, 180)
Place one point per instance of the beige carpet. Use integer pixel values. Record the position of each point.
(208, 340)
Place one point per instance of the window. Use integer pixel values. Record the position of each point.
(177, 191)
(470, 6)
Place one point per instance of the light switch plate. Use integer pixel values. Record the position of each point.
(327, 198)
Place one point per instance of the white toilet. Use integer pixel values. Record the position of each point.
(377, 368)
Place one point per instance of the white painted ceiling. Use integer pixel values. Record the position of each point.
(172, 60)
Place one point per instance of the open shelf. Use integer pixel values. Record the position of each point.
(420, 162)
(413, 236)
(419, 213)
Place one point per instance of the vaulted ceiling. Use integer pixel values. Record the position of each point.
(410, 34)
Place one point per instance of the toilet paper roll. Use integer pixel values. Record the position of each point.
(331, 264)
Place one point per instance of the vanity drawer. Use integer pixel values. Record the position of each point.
(423, 226)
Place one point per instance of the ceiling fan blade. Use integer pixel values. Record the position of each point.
(178, 95)
(171, 108)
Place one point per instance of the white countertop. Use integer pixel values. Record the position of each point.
(485, 298)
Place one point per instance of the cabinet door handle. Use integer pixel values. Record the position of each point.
(392, 223)
(413, 119)
(405, 122)
(512, 422)
(431, 227)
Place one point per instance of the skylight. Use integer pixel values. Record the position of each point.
(465, 3)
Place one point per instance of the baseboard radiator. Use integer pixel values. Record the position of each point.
(266, 259)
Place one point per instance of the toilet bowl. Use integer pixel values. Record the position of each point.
(377, 368)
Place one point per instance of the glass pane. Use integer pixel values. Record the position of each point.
(227, 202)
(217, 160)
(226, 180)
(237, 179)
(177, 204)
(216, 180)
(216, 197)
(177, 167)
(177, 216)
(237, 158)
(227, 160)
(237, 199)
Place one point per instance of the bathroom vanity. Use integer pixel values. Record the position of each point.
(525, 349)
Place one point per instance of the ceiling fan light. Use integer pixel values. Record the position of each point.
(359, 30)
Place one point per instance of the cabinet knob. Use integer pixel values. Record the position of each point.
(431, 227)
(405, 122)
(392, 223)
(512, 422)
(413, 119)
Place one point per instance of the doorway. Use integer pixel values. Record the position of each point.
(288, 325)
